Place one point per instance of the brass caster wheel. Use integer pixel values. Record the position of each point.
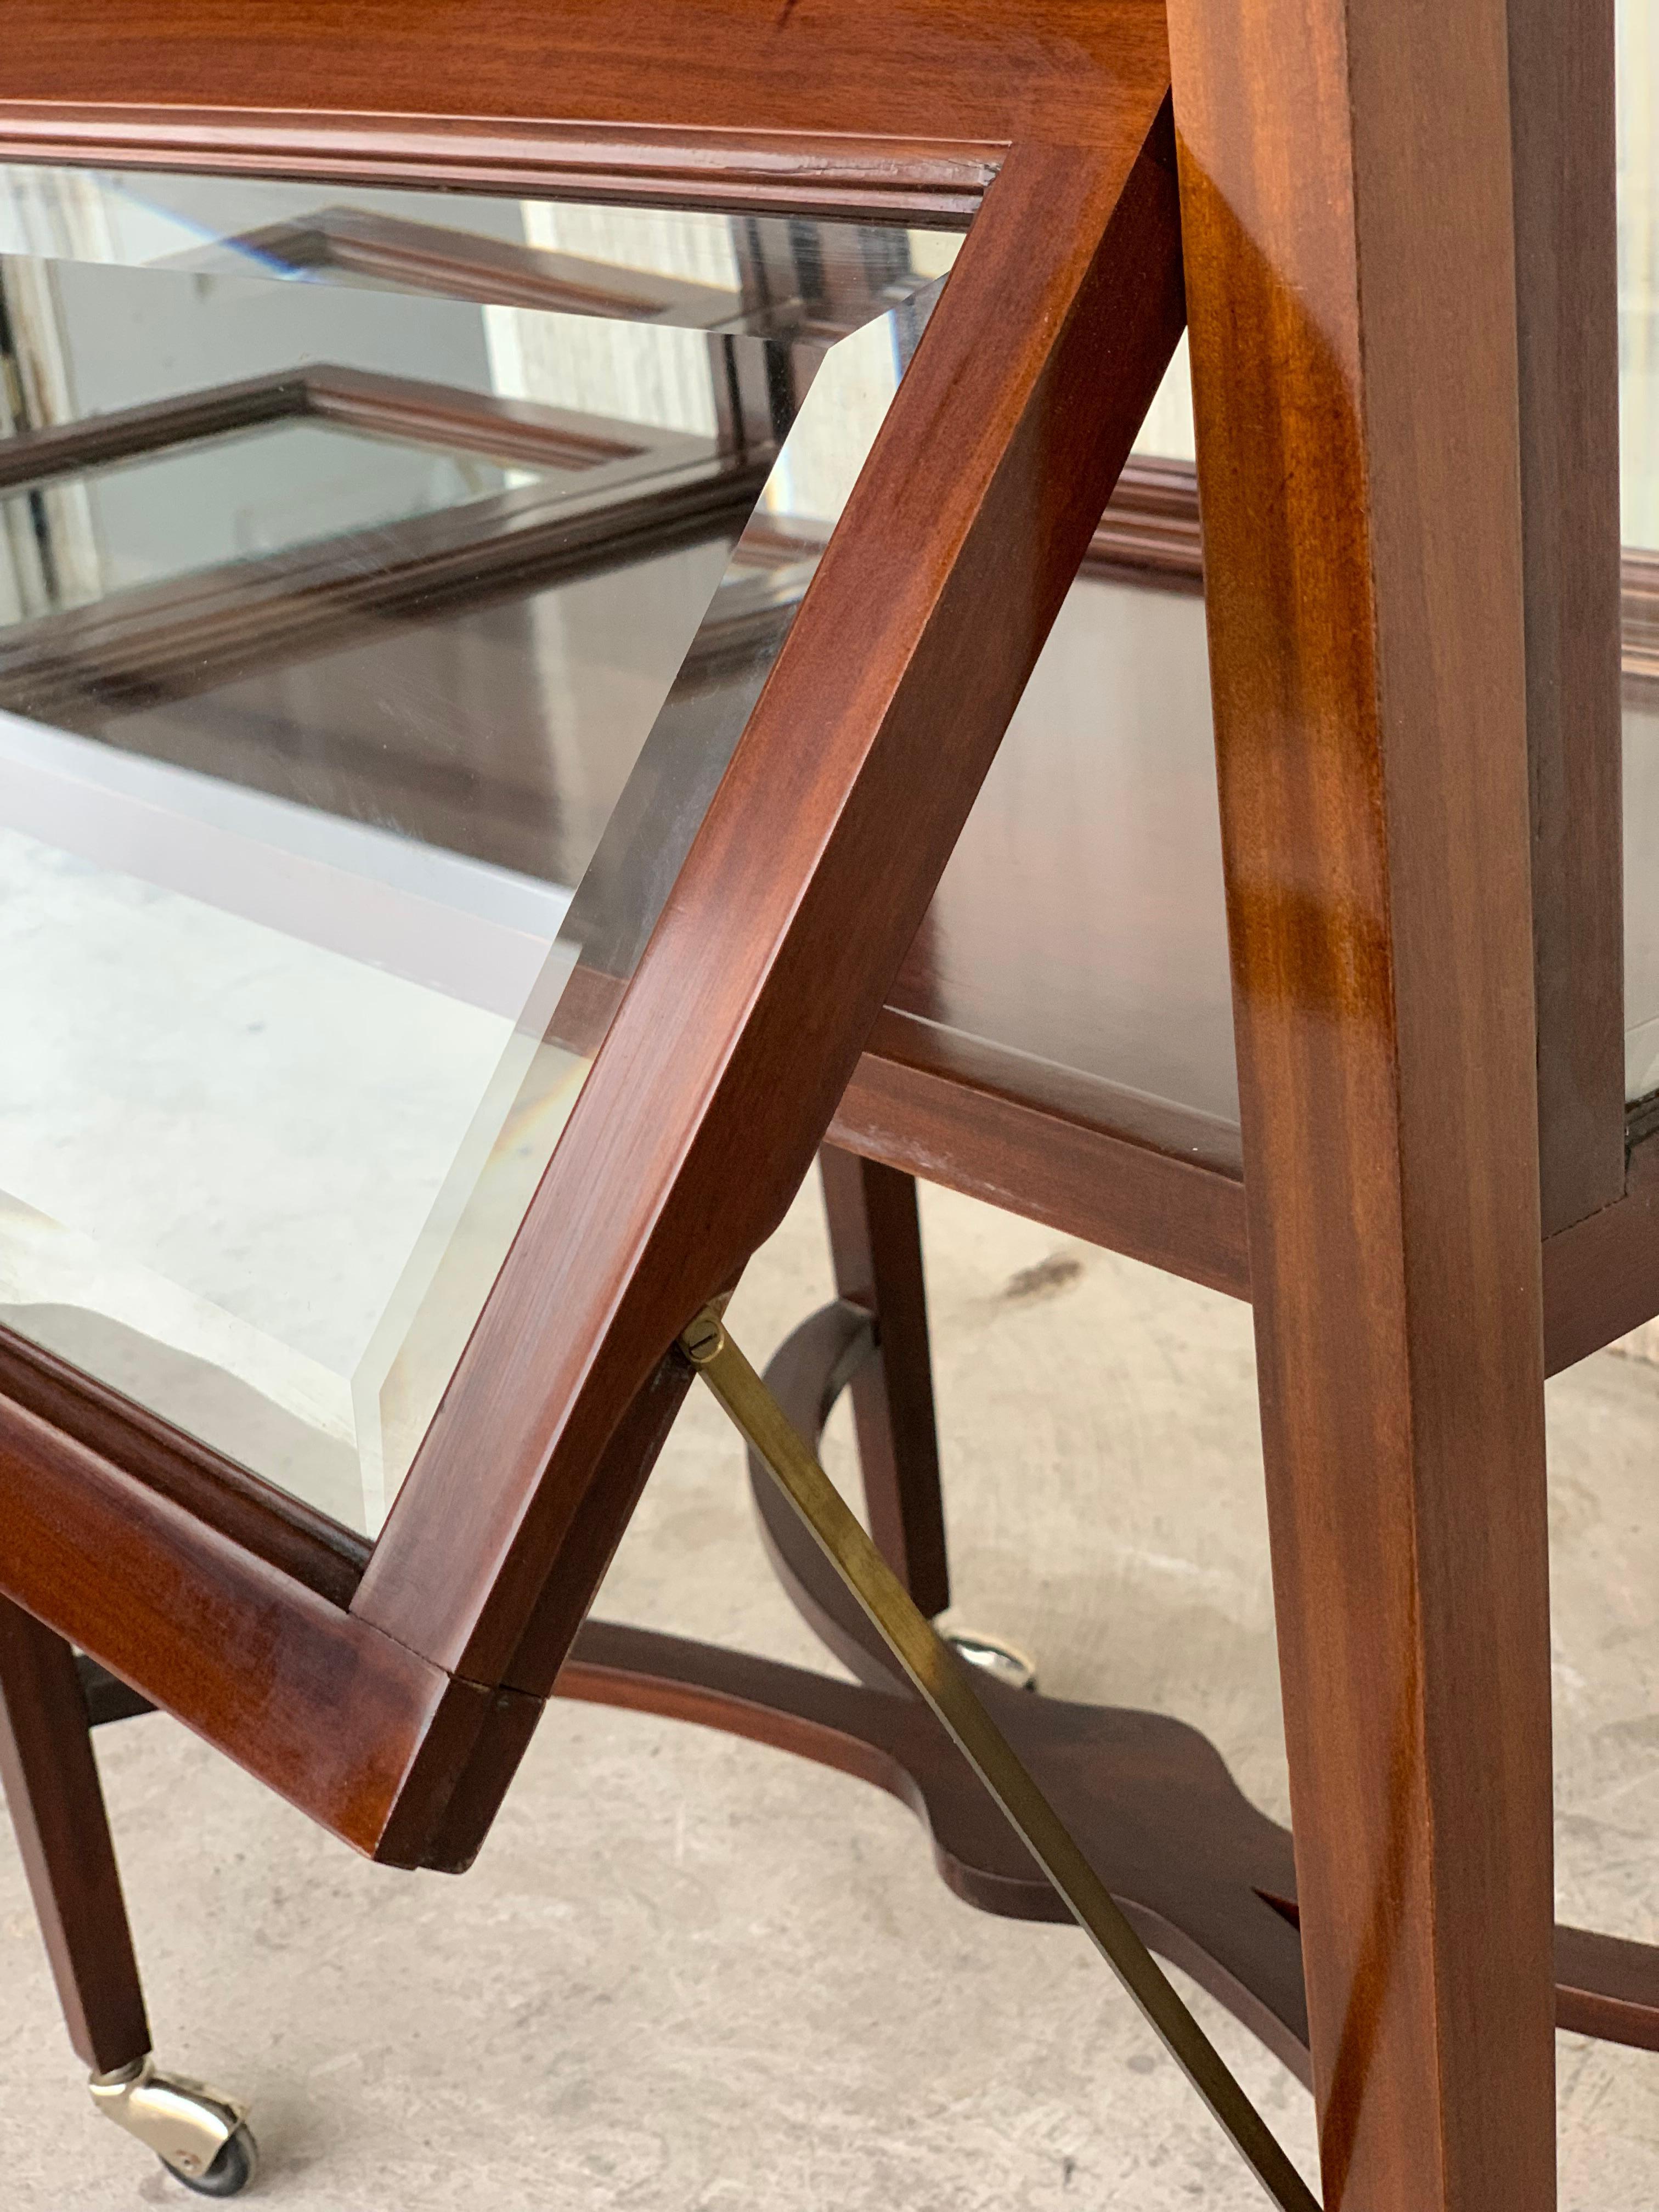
(202, 2139)
(989, 1654)
(230, 2173)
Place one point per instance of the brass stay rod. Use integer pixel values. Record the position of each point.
(938, 1675)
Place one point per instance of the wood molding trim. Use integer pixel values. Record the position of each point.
(1149, 533)
(280, 1529)
(1089, 1159)
(348, 1726)
(905, 180)
(1358, 425)
(807, 108)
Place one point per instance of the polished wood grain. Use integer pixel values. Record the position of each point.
(1384, 1006)
(1049, 1150)
(616, 91)
(283, 1530)
(1059, 1038)
(1561, 119)
(1564, 169)
(356, 1731)
(1081, 923)
(1602, 1276)
(1355, 400)
(816, 857)
(1021, 1057)
(410, 1750)
(936, 183)
(875, 1248)
(1088, 1158)
(1208, 1880)
(472, 1800)
(1191, 1860)
(628, 1457)
(57, 1808)
(1151, 534)
(1002, 1115)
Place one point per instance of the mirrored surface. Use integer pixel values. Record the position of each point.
(384, 579)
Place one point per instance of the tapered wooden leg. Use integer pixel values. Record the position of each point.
(57, 1808)
(1347, 230)
(875, 1241)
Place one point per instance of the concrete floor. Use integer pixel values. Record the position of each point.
(688, 1974)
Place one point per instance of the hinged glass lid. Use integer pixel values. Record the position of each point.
(385, 581)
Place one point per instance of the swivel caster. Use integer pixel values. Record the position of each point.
(232, 2171)
(1005, 1662)
(204, 2140)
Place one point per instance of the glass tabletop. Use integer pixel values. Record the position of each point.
(385, 580)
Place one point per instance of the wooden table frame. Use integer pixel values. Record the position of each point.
(451, 1638)
(1408, 488)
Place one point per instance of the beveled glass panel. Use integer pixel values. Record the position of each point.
(385, 580)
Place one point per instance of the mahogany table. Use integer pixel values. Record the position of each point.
(500, 717)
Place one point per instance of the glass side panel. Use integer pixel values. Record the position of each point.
(1639, 458)
(1081, 921)
(1167, 433)
(385, 580)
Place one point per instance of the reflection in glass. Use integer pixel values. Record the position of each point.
(1168, 432)
(1639, 456)
(384, 582)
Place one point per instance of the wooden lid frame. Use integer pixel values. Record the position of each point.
(389, 1693)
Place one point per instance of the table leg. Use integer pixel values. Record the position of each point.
(875, 1242)
(1348, 236)
(56, 1809)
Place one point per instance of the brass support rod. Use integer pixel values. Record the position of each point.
(939, 1677)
